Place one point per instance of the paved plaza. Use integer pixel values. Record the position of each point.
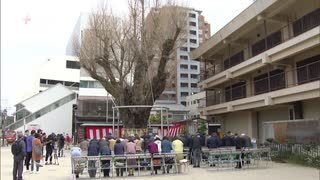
(276, 172)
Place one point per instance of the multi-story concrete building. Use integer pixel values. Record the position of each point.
(64, 70)
(188, 70)
(263, 66)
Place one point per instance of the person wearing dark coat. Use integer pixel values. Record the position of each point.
(61, 140)
(228, 140)
(93, 150)
(104, 150)
(18, 159)
(103, 142)
(195, 146)
(240, 144)
(119, 150)
(214, 141)
(247, 144)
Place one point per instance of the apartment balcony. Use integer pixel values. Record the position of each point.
(278, 88)
(294, 37)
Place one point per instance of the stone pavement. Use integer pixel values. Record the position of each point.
(276, 172)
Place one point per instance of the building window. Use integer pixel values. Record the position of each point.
(183, 103)
(184, 57)
(270, 81)
(192, 15)
(308, 70)
(235, 91)
(184, 66)
(267, 43)
(194, 76)
(73, 84)
(194, 67)
(194, 85)
(183, 49)
(234, 60)
(192, 23)
(183, 84)
(183, 75)
(184, 94)
(90, 84)
(193, 41)
(306, 22)
(43, 81)
(191, 49)
(73, 65)
(53, 82)
(193, 32)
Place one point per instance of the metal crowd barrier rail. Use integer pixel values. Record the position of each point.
(140, 164)
(229, 158)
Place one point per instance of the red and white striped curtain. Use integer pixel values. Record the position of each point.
(175, 130)
(99, 132)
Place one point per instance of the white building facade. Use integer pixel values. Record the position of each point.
(64, 70)
(50, 110)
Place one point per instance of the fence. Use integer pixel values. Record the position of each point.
(144, 164)
(229, 158)
(282, 150)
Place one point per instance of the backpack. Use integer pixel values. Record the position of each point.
(16, 148)
(37, 149)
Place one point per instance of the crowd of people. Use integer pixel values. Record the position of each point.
(129, 145)
(28, 150)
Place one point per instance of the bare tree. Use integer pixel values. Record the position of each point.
(130, 55)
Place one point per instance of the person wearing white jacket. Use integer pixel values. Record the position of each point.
(158, 142)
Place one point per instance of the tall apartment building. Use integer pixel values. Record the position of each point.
(188, 70)
(263, 66)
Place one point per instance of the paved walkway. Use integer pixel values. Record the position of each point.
(276, 172)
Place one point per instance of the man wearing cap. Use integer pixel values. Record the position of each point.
(18, 159)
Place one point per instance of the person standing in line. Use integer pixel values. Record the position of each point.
(36, 153)
(112, 142)
(61, 140)
(131, 149)
(29, 149)
(153, 149)
(84, 146)
(214, 141)
(49, 148)
(93, 150)
(195, 146)
(239, 142)
(68, 141)
(138, 143)
(105, 151)
(119, 150)
(166, 147)
(158, 142)
(18, 150)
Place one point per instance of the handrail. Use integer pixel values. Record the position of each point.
(212, 70)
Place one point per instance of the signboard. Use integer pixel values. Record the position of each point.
(31, 127)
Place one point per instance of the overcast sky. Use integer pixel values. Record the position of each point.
(25, 46)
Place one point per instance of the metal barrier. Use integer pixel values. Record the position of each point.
(230, 158)
(142, 164)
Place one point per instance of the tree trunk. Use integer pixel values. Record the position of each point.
(134, 117)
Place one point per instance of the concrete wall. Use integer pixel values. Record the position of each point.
(238, 122)
(279, 113)
(311, 109)
(57, 121)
